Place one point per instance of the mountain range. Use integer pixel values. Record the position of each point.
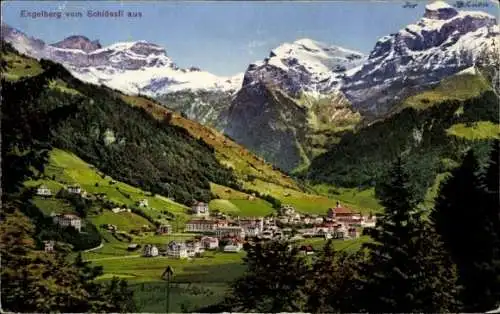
(295, 103)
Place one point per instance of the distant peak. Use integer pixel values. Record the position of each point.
(439, 10)
(78, 42)
(306, 42)
(438, 5)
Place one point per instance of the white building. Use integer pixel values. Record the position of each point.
(150, 250)
(117, 210)
(177, 250)
(194, 248)
(143, 203)
(74, 189)
(43, 191)
(251, 227)
(230, 231)
(233, 247)
(66, 220)
(210, 243)
(318, 220)
(368, 222)
(49, 246)
(200, 209)
(204, 225)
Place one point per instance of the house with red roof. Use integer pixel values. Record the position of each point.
(344, 215)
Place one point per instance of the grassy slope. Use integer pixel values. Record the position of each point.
(459, 87)
(242, 161)
(66, 168)
(476, 131)
(18, 67)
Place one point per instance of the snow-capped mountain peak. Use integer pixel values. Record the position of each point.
(78, 42)
(304, 65)
(132, 67)
(443, 42)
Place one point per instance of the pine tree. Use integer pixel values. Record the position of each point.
(403, 273)
(467, 217)
(274, 281)
(332, 285)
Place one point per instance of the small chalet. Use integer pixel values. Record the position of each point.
(200, 209)
(49, 246)
(74, 189)
(164, 229)
(42, 190)
(143, 203)
(117, 210)
(306, 250)
(150, 250)
(210, 243)
(177, 250)
(66, 220)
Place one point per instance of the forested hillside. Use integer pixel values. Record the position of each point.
(433, 136)
(122, 141)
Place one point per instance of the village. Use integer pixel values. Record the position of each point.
(228, 234)
(215, 231)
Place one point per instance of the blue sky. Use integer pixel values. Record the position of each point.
(222, 37)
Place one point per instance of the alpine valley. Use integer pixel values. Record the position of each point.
(107, 148)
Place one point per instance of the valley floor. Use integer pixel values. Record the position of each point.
(197, 282)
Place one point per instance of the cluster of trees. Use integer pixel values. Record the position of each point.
(361, 156)
(446, 259)
(35, 281)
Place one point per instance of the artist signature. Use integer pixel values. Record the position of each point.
(471, 4)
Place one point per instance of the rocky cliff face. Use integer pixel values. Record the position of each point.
(286, 97)
(79, 43)
(442, 43)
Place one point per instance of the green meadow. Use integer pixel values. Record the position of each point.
(196, 283)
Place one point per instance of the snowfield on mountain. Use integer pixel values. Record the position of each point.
(443, 42)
